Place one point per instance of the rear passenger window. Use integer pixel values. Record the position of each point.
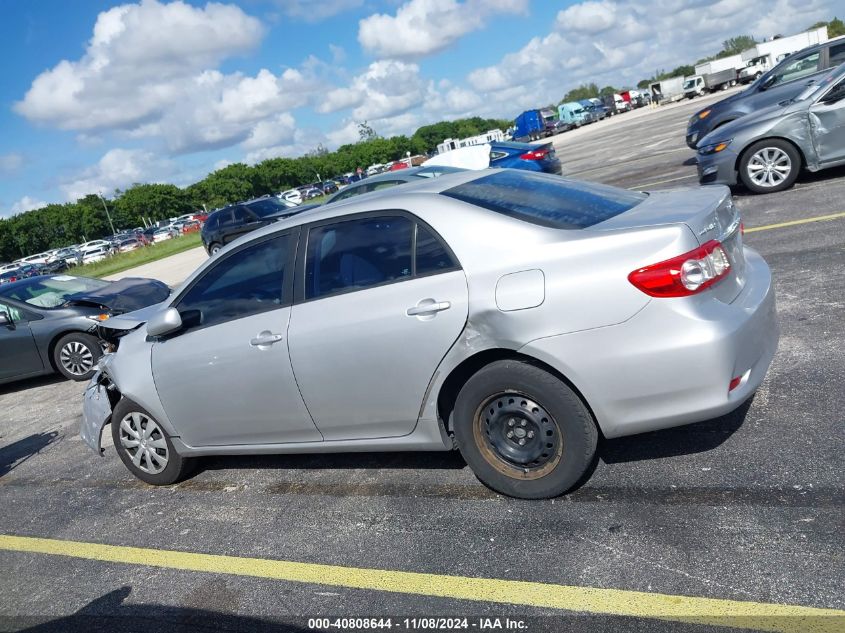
(432, 255)
(357, 254)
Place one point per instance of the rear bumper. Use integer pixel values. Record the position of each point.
(671, 364)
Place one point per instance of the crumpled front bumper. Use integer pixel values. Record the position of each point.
(96, 412)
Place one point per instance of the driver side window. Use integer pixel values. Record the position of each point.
(249, 281)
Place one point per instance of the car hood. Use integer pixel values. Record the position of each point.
(734, 128)
(131, 320)
(125, 295)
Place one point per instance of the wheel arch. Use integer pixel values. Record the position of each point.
(458, 377)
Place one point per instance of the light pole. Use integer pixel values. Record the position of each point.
(100, 196)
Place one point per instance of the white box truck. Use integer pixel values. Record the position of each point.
(734, 62)
(765, 55)
(667, 90)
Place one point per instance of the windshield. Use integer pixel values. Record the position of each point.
(689, 83)
(52, 292)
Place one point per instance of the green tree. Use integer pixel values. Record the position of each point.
(737, 44)
(584, 91)
(835, 27)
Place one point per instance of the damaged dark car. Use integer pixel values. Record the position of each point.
(50, 323)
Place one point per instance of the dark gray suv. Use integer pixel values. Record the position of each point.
(783, 82)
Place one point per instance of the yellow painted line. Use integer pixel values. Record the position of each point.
(780, 225)
(749, 615)
(662, 182)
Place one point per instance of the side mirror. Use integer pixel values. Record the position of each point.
(767, 82)
(164, 322)
(5, 321)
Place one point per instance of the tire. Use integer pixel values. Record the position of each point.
(75, 355)
(769, 166)
(214, 248)
(508, 402)
(160, 466)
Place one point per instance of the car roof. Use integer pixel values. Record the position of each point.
(363, 202)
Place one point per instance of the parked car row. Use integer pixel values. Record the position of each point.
(791, 118)
(59, 259)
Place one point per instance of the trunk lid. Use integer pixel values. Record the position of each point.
(709, 213)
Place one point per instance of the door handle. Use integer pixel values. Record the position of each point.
(428, 308)
(265, 338)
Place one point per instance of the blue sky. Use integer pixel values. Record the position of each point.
(98, 94)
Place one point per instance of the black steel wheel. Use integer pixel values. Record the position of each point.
(517, 435)
(523, 431)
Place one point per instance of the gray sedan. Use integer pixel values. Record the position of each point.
(513, 315)
(766, 150)
(49, 323)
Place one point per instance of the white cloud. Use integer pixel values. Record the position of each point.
(423, 27)
(136, 64)
(149, 72)
(387, 88)
(311, 11)
(10, 163)
(27, 204)
(117, 169)
(619, 42)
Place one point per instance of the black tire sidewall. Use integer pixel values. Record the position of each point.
(176, 465)
(576, 425)
(89, 341)
(784, 146)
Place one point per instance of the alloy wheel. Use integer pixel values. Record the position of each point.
(76, 358)
(769, 167)
(144, 442)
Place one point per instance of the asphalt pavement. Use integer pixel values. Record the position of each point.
(747, 508)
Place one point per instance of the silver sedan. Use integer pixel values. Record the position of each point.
(512, 315)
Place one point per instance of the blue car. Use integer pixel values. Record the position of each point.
(525, 156)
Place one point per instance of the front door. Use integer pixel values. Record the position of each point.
(376, 317)
(18, 354)
(827, 122)
(226, 378)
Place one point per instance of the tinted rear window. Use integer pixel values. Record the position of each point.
(545, 199)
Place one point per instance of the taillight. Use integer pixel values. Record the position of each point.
(535, 154)
(685, 274)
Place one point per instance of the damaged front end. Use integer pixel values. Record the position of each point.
(99, 400)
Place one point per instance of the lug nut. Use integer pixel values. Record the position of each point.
(510, 422)
(530, 434)
(522, 442)
(523, 423)
(510, 433)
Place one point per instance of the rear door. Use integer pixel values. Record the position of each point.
(18, 353)
(381, 301)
